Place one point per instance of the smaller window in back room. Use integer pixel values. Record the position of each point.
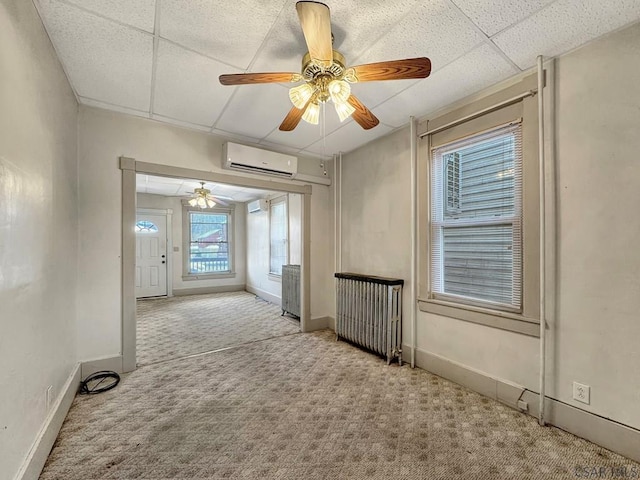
(209, 251)
(278, 228)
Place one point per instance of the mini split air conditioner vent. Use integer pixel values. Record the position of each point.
(256, 160)
(257, 206)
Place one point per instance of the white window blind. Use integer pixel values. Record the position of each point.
(278, 236)
(476, 219)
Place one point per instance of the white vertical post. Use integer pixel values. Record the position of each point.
(541, 419)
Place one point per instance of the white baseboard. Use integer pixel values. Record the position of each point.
(602, 431)
(321, 323)
(35, 460)
(113, 364)
(178, 292)
(270, 297)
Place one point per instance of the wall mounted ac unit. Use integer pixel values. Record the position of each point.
(257, 206)
(256, 160)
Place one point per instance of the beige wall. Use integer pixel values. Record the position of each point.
(38, 230)
(146, 200)
(104, 137)
(593, 334)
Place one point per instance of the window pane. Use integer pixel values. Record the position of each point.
(478, 262)
(146, 226)
(485, 182)
(278, 241)
(208, 246)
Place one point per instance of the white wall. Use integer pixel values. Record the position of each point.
(38, 229)
(145, 200)
(105, 136)
(594, 336)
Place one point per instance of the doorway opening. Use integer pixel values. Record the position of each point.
(211, 278)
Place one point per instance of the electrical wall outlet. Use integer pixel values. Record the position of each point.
(582, 393)
(49, 397)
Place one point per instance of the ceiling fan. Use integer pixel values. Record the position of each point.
(202, 198)
(326, 76)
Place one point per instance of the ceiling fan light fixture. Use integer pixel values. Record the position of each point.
(312, 114)
(344, 110)
(300, 95)
(339, 91)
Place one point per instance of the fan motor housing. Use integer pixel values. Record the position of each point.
(310, 69)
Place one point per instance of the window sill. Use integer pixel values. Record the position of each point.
(275, 277)
(511, 322)
(209, 276)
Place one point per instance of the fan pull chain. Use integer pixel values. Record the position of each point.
(324, 138)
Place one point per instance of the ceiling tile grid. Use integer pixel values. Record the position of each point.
(139, 13)
(229, 31)
(161, 58)
(104, 60)
(563, 26)
(185, 86)
(447, 85)
(180, 187)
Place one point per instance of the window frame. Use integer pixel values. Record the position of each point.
(284, 199)
(186, 241)
(514, 220)
(525, 321)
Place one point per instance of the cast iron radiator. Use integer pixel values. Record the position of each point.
(291, 289)
(369, 313)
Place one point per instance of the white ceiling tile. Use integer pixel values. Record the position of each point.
(436, 30)
(305, 134)
(139, 14)
(495, 15)
(230, 31)
(564, 25)
(255, 110)
(474, 71)
(187, 85)
(104, 60)
(347, 138)
(375, 93)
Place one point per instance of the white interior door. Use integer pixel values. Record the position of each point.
(151, 255)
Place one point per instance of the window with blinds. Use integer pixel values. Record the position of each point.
(476, 219)
(278, 220)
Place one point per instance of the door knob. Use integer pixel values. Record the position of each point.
(162, 256)
(163, 261)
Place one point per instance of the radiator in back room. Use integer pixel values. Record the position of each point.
(369, 313)
(291, 289)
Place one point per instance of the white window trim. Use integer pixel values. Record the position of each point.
(274, 201)
(527, 321)
(186, 237)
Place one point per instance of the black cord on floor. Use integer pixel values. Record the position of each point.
(99, 382)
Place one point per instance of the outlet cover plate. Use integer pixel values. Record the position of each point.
(582, 393)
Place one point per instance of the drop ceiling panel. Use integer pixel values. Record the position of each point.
(495, 15)
(186, 85)
(564, 25)
(375, 93)
(139, 14)
(347, 138)
(305, 134)
(104, 60)
(256, 111)
(435, 29)
(451, 83)
(229, 31)
(184, 187)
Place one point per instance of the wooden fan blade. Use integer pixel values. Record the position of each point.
(315, 20)
(249, 78)
(362, 115)
(393, 70)
(294, 116)
(218, 201)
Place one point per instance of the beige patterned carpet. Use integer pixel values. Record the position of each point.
(306, 407)
(180, 326)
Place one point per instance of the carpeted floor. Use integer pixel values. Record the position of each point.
(307, 407)
(175, 327)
